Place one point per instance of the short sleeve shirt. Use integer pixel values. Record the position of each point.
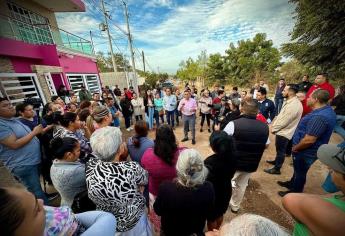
(29, 154)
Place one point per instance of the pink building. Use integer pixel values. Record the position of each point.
(36, 56)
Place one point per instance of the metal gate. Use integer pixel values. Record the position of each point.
(90, 81)
(17, 86)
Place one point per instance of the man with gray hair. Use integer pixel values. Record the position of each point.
(115, 184)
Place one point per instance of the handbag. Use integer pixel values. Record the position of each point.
(161, 112)
(82, 203)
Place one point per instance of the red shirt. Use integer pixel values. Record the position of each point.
(326, 86)
(129, 95)
(216, 100)
(261, 118)
(158, 170)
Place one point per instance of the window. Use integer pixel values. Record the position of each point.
(29, 26)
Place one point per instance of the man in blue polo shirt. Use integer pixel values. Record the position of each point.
(20, 149)
(267, 108)
(313, 130)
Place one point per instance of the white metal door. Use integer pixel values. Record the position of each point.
(17, 87)
(90, 81)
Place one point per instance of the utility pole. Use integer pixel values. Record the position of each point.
(135, 80)
(142, 53)
(109, 37)
(93, 48)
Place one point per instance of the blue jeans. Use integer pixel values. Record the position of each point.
(301, 165)
(97, 223)
(170, 117)
(278, 102)
(177, 114)
(338, 127)
(151, 112)
(30, 177)
(127, 121)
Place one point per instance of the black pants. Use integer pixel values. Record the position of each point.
(289, 148)
(208, 119)
(139, 117)
(281, 145)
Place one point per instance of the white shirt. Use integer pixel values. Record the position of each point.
(230, 130)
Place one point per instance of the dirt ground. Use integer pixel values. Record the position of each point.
(261, 195)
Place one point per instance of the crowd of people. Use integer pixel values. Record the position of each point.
(143, 186)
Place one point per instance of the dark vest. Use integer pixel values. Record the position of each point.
(250, 140)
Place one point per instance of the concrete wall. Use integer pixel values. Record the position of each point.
(111, 79)
(6, 65)
(40, 70)
(77, 64)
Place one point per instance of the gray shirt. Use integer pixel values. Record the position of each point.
(29, 154)
(68, 179)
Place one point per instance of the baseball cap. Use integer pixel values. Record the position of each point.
(332, 156)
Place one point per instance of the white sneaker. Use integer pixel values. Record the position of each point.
(128, 129)
(131, 128)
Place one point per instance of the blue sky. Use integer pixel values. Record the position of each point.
(170, 31)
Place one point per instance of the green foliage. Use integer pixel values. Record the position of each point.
(292, 71)
(215, 69)
(105, 63)
(318, 35)
(251, 59)
(152, 79)
(191, 69)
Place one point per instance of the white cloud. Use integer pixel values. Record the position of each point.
(159, 3)
(214, 24)
(77, 23)
(189, 28)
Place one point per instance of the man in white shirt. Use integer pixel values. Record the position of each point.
(169, 105)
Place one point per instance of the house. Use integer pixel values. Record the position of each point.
(36, 56)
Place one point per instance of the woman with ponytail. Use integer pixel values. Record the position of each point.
(185, 203)
(67, 173)
(221, 168)
(99, 118)
(139, 143)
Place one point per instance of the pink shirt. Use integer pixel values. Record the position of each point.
(189, 107)
(158, 170)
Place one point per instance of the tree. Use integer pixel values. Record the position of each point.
(152, 78)
(105, 62)
(215, 69)
(292, 71)
(189, 70)
(317, 39)
(251, 59)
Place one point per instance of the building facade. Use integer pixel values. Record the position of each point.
(37, 57)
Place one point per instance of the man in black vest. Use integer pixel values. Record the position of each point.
(251, 138)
